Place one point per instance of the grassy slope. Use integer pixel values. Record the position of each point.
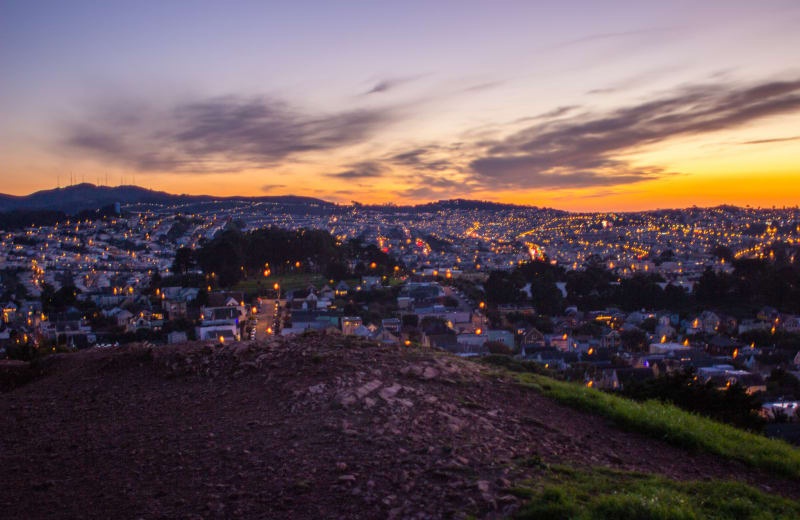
(562, 492)
(673, 425)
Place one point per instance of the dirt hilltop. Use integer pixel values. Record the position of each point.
(312, 427)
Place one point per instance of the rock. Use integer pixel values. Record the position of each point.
(368, 388)
(430, 373)
(316, 389)
(390, 392)
(483, 486)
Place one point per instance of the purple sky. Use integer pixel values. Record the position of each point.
(571, 103)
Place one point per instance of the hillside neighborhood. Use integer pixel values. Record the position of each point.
(512, 281)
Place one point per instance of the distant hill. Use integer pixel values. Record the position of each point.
(73, 199)
(79, 197)
(450, 204)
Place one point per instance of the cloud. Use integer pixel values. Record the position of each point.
(422, 159)
(775, 140)
(550, 114)
(218, 134)
(483, 86)
(388, 84)
(590, 150)
(362, 170)
(592, 38)
(430, 187)
(266, 188)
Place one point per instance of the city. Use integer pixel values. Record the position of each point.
(436, 276)
(460, 259)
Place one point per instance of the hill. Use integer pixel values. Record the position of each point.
(86, 196)
(78, 197)
(325, 427)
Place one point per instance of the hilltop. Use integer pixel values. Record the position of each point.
(78, 197)
(312, 427)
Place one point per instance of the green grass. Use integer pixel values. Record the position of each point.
(288, 282)
(292, 281)
(561, 492)
(673, 425)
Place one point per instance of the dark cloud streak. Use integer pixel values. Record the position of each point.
(362, 170)
(388, 84)
(775, 140)
(219, 134)
(589, 150)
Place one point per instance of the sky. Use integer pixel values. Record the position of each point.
(579, 105)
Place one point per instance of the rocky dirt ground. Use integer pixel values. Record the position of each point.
(315, 427)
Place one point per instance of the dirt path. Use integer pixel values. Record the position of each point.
(314, 428)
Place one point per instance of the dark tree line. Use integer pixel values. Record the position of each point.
(20, 219)
(233, 255)
(733, 406)
(751, 285)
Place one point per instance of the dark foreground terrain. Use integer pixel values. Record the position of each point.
(315, 427)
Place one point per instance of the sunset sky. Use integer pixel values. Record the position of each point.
(579, 105)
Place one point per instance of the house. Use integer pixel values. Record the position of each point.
(122, 317)
(707, 322)
(532, 338)
(147, 320)
(500, 336)
(370, 282)
(386, 337)
(215, 329)
(725, 376)
(792, 324)
(608, 380)
(563, 342)
(751, 325)
(768, 314)
(350, 324)
(177, 336)
(226, 299)
(443, 340)
(175, 300)
(392, 325)
(721, 345)
(341, 289)
(303, 319)
(553, 358)
(9, 312)
(788, 410)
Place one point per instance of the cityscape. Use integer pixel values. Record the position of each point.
(456, 275)
(363, 260)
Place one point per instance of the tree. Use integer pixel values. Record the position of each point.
(504, 287)
(634, 339)
(498, 347)
(185, 259)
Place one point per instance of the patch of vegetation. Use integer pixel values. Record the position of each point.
(287, 282)
(671, 424)
(600, 493)
(683, 389)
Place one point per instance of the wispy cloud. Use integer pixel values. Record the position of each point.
(427, 158)
(591, 150)
(488, 85)
(774, 140)
(228, 133)
(362, 170)
(387, 84)
(267, 188)
(620, 35)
